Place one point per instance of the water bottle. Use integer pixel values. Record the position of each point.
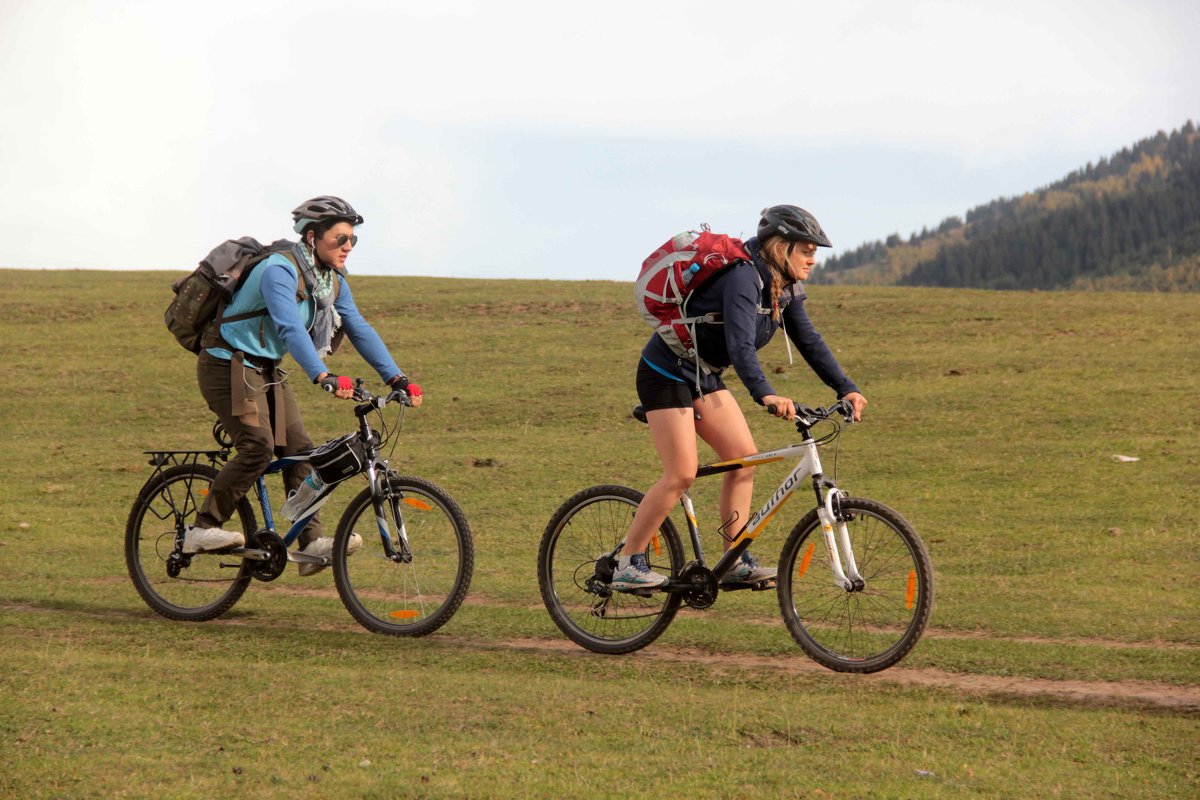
(690, 273)
(299, 500)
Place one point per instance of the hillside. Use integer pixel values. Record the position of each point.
(1129, 222)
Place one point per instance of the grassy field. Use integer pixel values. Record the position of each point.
(1062, 660)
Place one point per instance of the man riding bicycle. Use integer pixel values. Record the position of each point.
(308, 307)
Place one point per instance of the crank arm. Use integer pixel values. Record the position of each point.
(248, 553)
(296, 557)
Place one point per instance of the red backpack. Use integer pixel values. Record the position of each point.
(672, 273)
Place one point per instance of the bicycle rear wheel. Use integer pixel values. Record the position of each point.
(574, 572)
(190, 588)
(401, 598)
(857, 631)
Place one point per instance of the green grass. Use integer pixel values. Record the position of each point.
(992, 424)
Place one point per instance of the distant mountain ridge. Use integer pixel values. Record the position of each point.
(1129, 222)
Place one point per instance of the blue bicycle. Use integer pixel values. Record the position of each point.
(407, 578)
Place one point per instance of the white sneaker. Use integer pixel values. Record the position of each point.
(323, 547)
(200, 540)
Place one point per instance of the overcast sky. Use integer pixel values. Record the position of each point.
(530, 139)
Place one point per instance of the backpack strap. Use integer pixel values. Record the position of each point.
(718, 318)
(213, 338)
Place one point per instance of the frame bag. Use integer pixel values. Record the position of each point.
(339, 459)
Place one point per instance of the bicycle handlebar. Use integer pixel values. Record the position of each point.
(368, 402)
(805, 415)
(809, 416)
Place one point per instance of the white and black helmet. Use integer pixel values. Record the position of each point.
(324, 209)
(792, 223)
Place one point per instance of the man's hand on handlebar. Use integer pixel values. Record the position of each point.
(339, 386)
(413, 390)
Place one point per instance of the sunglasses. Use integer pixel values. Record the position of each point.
(343, 238)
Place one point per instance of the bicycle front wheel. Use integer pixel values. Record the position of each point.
(190, 588)
(574, 571)
(861, 630)
(417, 593)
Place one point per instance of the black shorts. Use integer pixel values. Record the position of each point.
(657, 391)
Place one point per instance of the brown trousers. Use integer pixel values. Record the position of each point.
(264, 423)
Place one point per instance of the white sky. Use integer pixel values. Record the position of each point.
(531, 139)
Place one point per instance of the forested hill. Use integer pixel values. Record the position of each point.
(1130, 221)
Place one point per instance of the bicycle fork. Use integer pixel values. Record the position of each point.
(847, 576)
(382, 494)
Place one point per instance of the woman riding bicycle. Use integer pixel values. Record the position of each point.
(755, 299)
(309, 306)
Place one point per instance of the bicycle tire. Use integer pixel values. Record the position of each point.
(857, 631)
(425, 592)
(202, 589)
(584, 529)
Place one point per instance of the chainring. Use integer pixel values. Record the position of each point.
(274, 566)
(702, 586)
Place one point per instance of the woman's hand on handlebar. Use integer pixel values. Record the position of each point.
(858, 402)
(781, 407)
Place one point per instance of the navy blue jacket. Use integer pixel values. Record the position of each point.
(738, 293)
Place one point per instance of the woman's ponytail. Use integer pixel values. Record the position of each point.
(776, 252)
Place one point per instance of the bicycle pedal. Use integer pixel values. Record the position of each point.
(636, 592)
(221, 551)
(757, 586)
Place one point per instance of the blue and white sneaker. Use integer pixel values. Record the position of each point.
(747, 570)
(636, 574)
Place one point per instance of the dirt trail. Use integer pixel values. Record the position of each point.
(1097, 693)
(1185, 699)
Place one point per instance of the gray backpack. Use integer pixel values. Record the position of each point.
(202, 295)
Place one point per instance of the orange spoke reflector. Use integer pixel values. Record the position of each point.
(654, 540)
(404, 613)
(415, 503)
(204, 492)
(912, 589)
(807, 558)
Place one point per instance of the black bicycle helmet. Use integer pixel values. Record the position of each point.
(792, 223)
(321, 209)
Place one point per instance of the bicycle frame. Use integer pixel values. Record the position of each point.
(373, 469)
(845, 574)
(264, 501)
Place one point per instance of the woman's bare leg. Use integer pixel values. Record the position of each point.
(722, 425)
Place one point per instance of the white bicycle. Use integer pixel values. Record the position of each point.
(855, 584)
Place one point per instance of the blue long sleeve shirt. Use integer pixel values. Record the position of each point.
(285, 329)
(738, 293)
